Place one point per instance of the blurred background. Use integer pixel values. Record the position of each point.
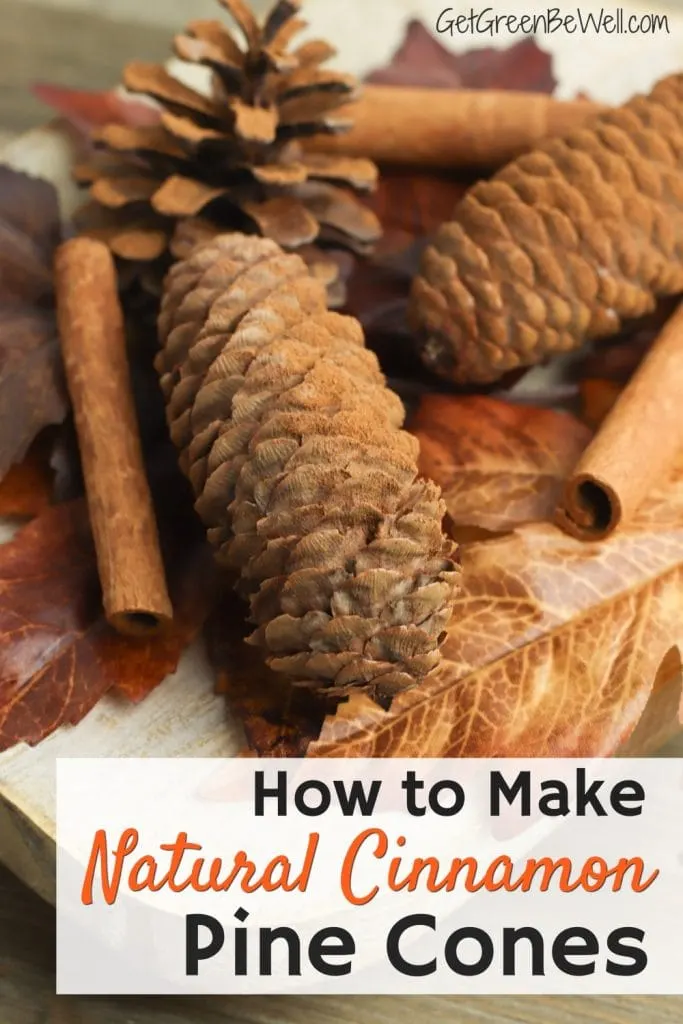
(63, 41)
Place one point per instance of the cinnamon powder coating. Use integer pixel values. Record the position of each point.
(302, 474)
(561, 246)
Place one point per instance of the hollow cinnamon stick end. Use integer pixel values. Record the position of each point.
(140, 621)
(590, 509)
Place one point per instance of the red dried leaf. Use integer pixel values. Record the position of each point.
(58, 656)
(87, 109)
(422, 60)
(498, 464)
(32, 393)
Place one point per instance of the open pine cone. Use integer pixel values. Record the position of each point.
(233, 159)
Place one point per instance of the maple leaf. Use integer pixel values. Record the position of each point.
(58, 655)
(498, 464)
(32, 391)
(422, 60)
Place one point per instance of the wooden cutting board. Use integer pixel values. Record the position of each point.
(183, 717)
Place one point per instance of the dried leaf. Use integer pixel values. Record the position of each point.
(554, 649)
(279, 721)
(32, 393)
(58, 656)
(27, 488)
(411, 204)
(498, 464)
(597, 399)
(422, 60)
(87, 109)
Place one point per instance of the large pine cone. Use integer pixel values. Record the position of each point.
(302, 474)
(560, 247)
(233, 159)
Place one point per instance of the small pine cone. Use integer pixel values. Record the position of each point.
(560, 247)
(306, 482)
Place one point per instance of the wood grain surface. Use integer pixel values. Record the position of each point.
(86, 48)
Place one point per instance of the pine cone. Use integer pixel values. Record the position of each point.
(559, 247)
(302, 474)
(234, 159)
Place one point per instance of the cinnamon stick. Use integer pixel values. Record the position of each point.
(635, 447)
(451, 127)
(124, 528)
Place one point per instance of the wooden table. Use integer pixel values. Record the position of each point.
(85, 49)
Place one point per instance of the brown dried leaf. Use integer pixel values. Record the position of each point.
(27, 488)
(555, 648)
(422, 60)
(32, 393)
(411, 204)
(597, 399)
(499, 464)
(279, 721)
(58, 656)
(29, 232)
